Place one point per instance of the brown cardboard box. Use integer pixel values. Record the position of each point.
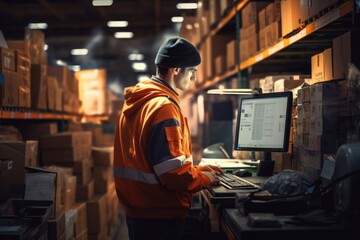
(51, 93)
(35, 130)
(9, 92)
(7, 59)
(66, 140)
(102, 186)
(22, 45)
(250, 12)
(231, 54)
(70, 154)
(81, 222)
(103, 172)
(31, 153)
(15, 151)
(103, 156)
(97, 219)
(282, 85)
(345, 49)
(56, 226)
(84, 193)
(69, 191)
(38, 86)
(24, 91)
(290, 16)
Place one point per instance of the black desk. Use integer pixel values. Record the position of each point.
(218, 198)
(235, 226)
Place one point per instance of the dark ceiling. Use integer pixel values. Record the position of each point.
(78, 24)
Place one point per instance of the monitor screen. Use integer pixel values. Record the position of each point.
(263, 122)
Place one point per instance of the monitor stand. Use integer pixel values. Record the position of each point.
(253, 162)
(266, 166)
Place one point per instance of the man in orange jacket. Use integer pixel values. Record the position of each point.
(153, 169)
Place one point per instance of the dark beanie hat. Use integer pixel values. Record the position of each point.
(178, 53)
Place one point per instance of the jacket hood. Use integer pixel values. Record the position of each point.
(136, 96)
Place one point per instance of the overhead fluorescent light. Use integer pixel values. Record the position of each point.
(102, 3)
(46, 47)
(143, 77)
(136, 57)
(177, 19)
(123, 35)
(139, 66)
(117, 23)
(186, 6)
(79, 52)
(61, 63)
(37, 25)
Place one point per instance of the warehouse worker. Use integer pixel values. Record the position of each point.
(153, 169)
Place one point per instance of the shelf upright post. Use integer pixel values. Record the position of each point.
(242, 74)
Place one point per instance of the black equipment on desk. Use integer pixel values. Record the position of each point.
(263, 202)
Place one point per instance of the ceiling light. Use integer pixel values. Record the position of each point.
(46, 47)
(117, 23)
(139, 66)
(61, 63)
(177, 19)
(123, 35)
(189, 26)
(143, 77)
(136, 57)
(182, 6)
(37, 25)
(79, 51)
(102, 3)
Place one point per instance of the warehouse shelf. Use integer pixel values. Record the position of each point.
(323, 21)
(32, 115)
(295, 49)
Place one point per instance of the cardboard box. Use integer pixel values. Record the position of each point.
(98, 218)
(282, 85)
(7, 59)
(69, 191)
(324, 92)
(35, 130)
(344, 48)
(71, 154)
(9, 89)
(231, 54)
(20, 45)
(84, 193)
(290, 16)
(15, 151)
(56, 226)
(31, 153)
(66, 140)
(38, 86)
(81, 222)
(321, 67)
(103, 156)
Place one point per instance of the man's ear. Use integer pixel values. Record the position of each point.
(176, 71)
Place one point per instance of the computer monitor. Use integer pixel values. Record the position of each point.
(263, 124)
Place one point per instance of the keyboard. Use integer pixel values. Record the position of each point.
(232, 181)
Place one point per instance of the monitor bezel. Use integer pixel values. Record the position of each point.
(285, 145)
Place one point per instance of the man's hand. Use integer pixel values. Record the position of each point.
(212, 172)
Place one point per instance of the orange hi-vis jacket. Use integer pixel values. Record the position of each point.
(153, 170)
